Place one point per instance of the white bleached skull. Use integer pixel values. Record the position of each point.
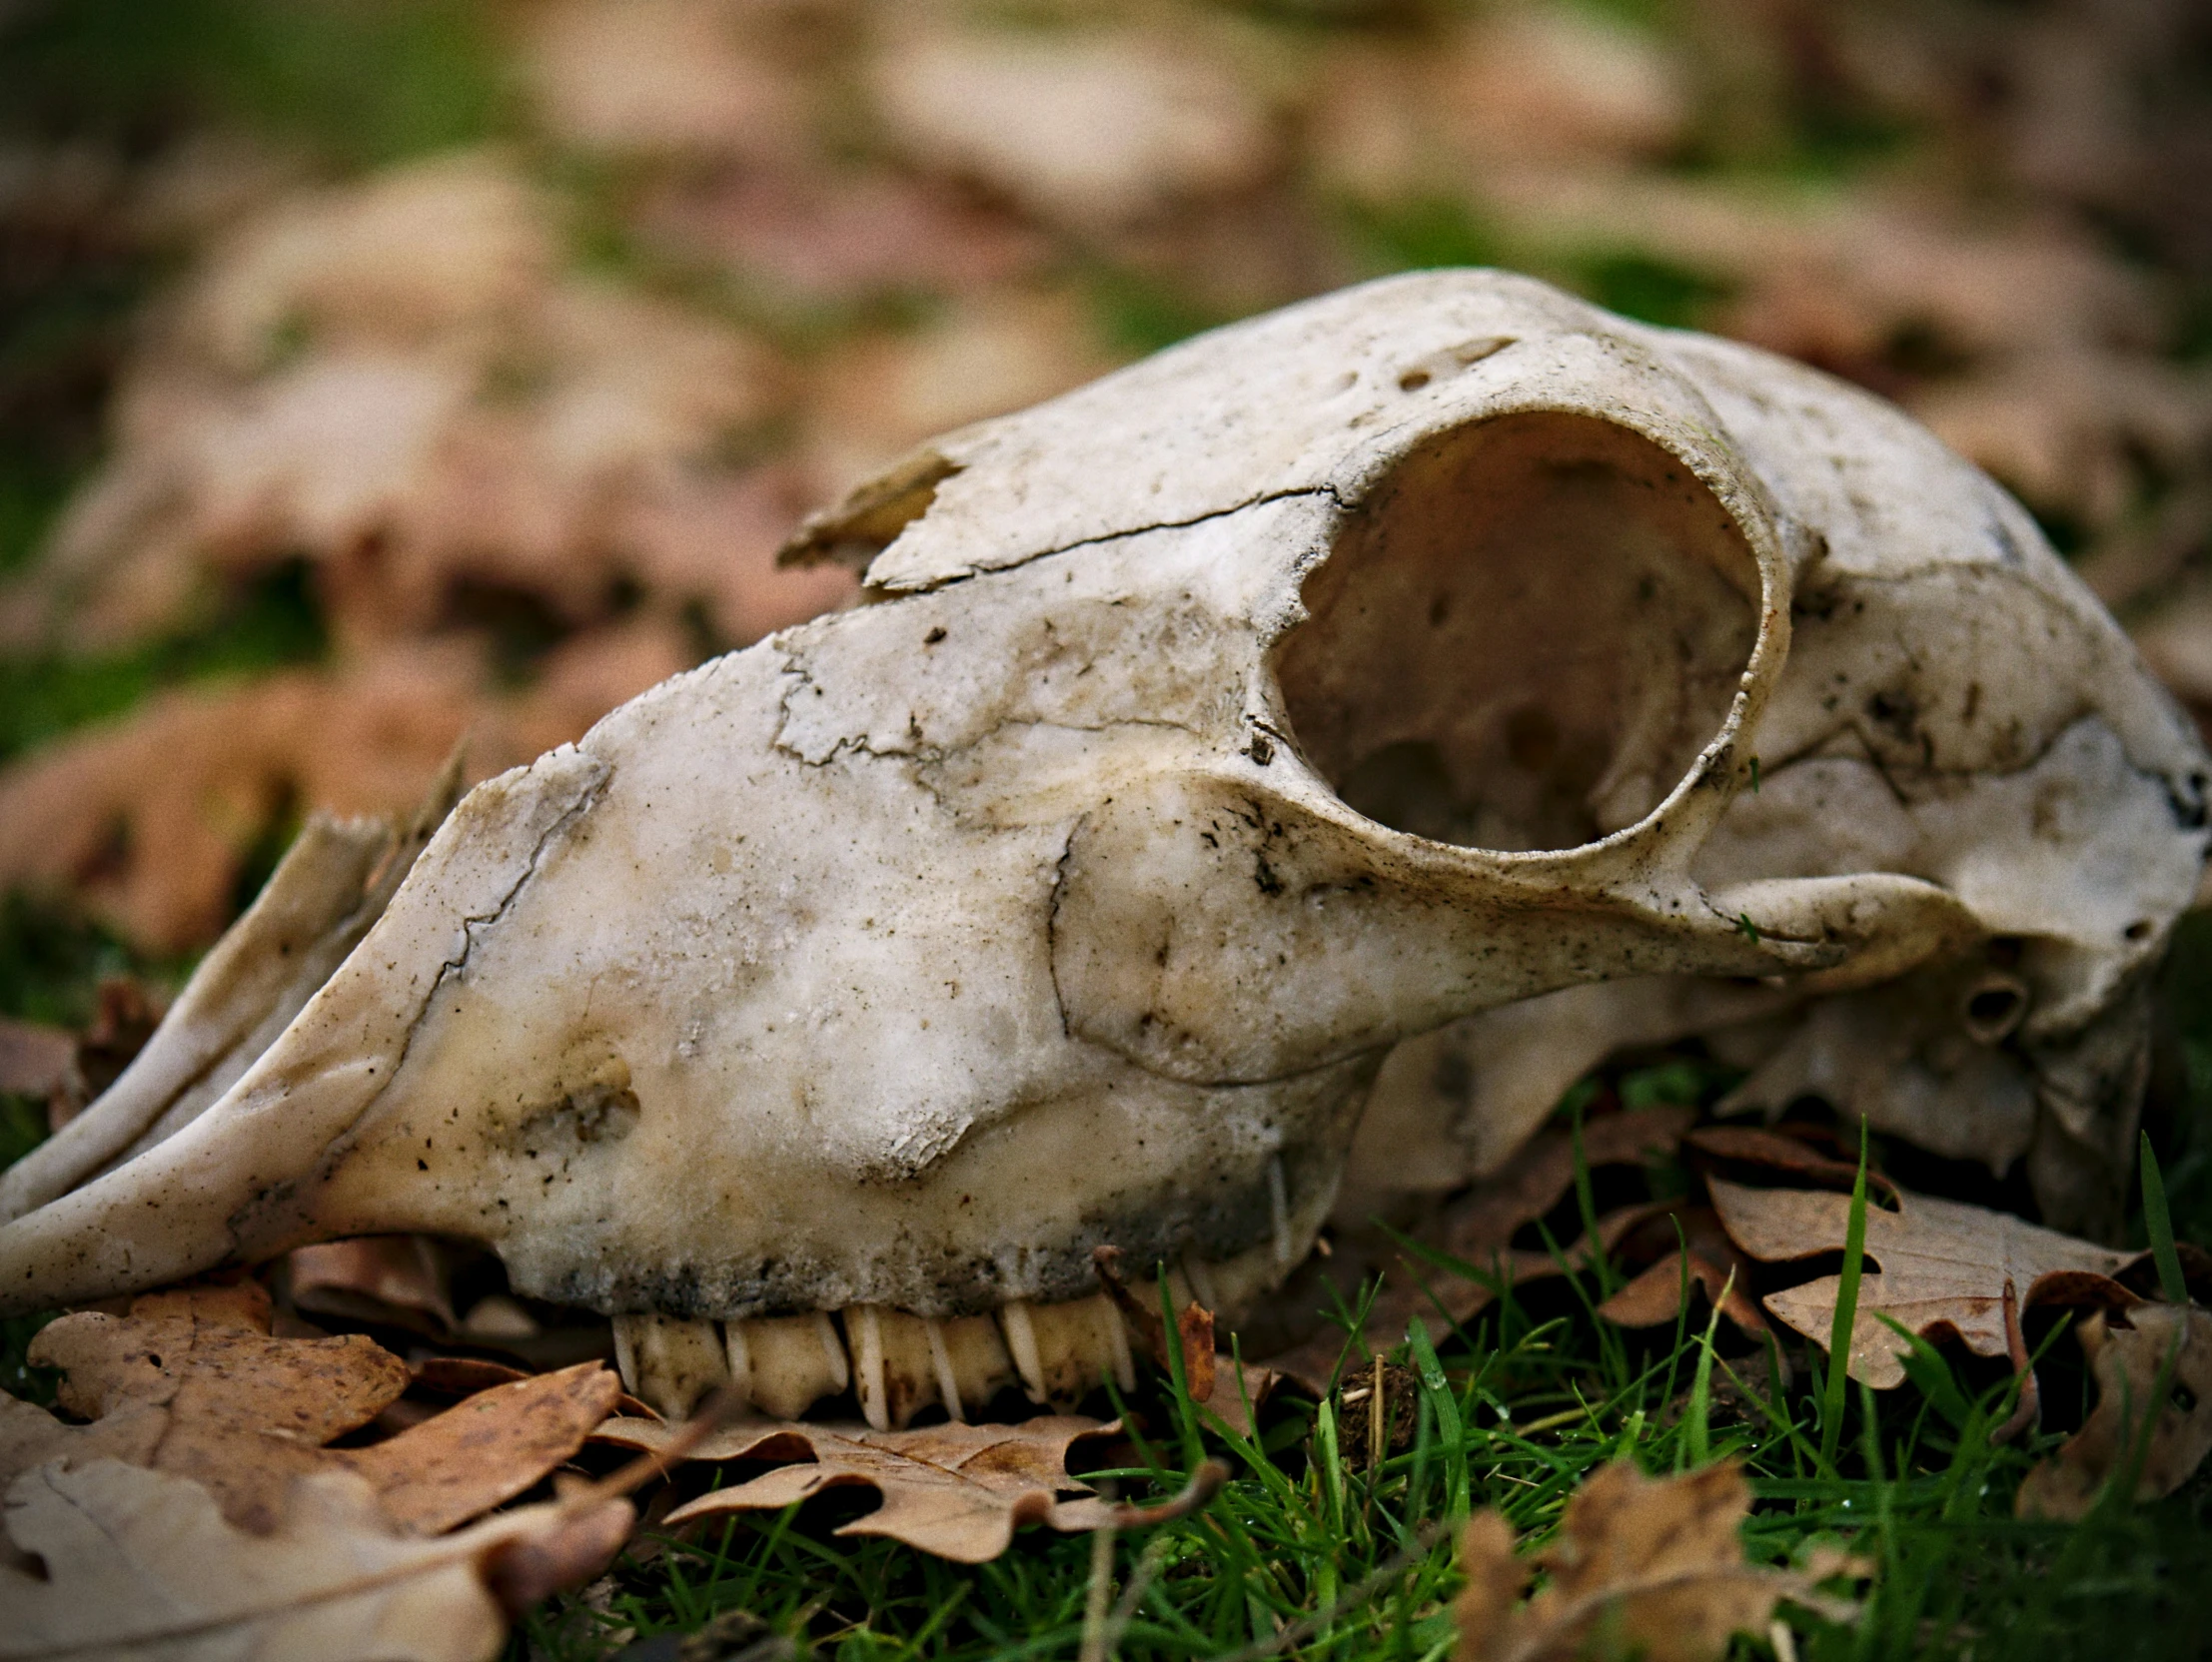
(1204, 734)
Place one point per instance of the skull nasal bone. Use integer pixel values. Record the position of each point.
(1524, 636)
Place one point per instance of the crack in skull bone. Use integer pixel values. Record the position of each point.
(1319, 702)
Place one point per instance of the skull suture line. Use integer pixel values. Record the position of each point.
(1210, 731)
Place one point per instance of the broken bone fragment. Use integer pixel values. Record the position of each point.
(1211, 732)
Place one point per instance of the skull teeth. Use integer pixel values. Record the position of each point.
(897, 1363)
(669, 1363)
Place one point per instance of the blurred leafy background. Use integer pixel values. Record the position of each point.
(379, 372)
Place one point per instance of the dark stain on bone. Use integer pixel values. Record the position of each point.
(602, 1108)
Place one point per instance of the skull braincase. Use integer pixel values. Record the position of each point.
(1202, 736)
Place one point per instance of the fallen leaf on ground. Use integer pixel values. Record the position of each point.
(841, 236)
(2077, 433)
(957, 1491)
(1706, 1257)
(1932, 1266)
(2127, 1362)
(661, 77)
(1643, 1565)
(71, 1069)
(36, 1060)
(240, 1411)
(130, 1562)
(148, 820)
(486, 1448)
(1194, 1327)
(1092, 131)
(1774, 1151)
(1235, 1384)
(192, 1384)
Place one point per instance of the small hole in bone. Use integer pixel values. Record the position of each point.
(1995, 1007)
(1412, 380)
(2138, 930)
(1523, 637)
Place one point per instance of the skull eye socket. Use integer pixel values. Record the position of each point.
(1524, 636)
(1995, 1006)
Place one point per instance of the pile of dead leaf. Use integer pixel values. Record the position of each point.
(207, 1497)
(1934, 1272)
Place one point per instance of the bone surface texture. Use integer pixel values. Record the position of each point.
(1202, 736)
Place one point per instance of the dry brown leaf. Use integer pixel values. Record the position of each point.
(1777, 1151)
(37, 1061)
(455, 240)
(241, 1412)
(1088, 131)
(2127, 1361)
(1561, 84)
(1706, 1256)
(450, 418)
(192, 1384)
(485, 1449)
(1934, 1266)
(2176, 640)
(878, 395)
(406, 1282)
(837, 236)
(1235, 1385)
(71, 1069)
(130, 1563)
(957, 1491)
(1652, 1567)
(661, 77)
(2075, 433)
(147, 820)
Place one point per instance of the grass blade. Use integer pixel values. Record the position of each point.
(2159, 1221)
(1847, 1316)
(1696, 1422)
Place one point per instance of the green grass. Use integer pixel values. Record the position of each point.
(364, 83)
(1513, 1413)
(1516, 1409)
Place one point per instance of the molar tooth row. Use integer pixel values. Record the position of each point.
(897, 1363)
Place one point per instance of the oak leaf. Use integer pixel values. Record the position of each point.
(1703, 1257)
(957, 1491)
(1934, 1266)
(192, 1384)
(2127, 1362)
(112, 1560)
(1651, 1567)
(239, 1410)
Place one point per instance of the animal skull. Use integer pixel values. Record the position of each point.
(1202, 736)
